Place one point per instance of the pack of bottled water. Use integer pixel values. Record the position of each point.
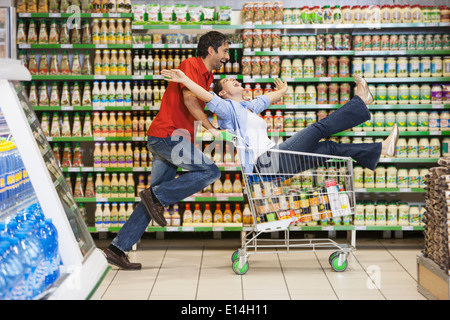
(29, 254)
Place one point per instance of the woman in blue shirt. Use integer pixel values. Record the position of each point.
(240, 118)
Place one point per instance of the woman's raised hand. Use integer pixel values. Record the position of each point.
(280, 85)
(174, 75)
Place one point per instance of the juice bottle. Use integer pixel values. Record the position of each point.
(98, 63)
(144, 157)
(87, 126)
(128, 155)
(113, 69)
(119, 125)
(237, 214)
(130, 186)
(96, 124)
(218, 217)
(127, 125)
(106, 216)
(104, 125)
(106, 63)
(120, 155)
(111, 94)
(98, 185)
(121, 63)
(197, 215)
(112, 124)
(98, 215)
(114, 186)
(122, 214)
(140, 186)
(103, 32)
(127, 94)
(105, 155)
(119, 32)
(227, 215)
(207, 214)
(187, 214)
(114, 215)
(122, 186)
(104, 94)
(113, 155)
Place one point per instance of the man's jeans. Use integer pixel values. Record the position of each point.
(168, 154)
(307, 140)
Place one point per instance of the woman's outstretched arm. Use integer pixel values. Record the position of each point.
(176, 75)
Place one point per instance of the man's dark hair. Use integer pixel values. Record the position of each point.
(210, 39)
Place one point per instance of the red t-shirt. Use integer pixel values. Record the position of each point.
(173, 114)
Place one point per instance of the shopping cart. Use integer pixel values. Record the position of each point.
(288, 189)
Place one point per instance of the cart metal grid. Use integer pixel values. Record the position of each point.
(295, 188)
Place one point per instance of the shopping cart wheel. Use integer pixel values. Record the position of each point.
(336, 266)
(238, 270)
(235, 256)
(332, 256)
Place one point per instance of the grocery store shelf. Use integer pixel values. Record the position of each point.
(407, 80)
(99, 139)
(400, 52)
(136, 26)
(390, 190)
(221, 166)
(370, 26)
(370, 133)
(301, 53)
(91, 108)
(116, 46)
(82, 15)
(227, 227)
(371, 107)
(206, 197)
(94, 77)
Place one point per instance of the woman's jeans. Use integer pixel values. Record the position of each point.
(168, 154)
(307, 140)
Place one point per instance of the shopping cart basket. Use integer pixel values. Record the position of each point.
(295, 188)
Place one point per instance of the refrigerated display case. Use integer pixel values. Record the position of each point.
(7, 29)
(83, 265)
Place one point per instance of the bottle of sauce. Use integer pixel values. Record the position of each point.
(97, 155)
(87, 126)
(207, 214)
(130, 186)
(122, 186)
(113, 68)
(114, 186)
(187, 215)
(128, 155)
(218, 216)
(197, 216)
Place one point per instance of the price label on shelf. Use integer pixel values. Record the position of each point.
(206, 27)
(405, 190)
(218, 229)
(97, 15)
(187, 228)
(360, 227)
(54, 15)
(137, 27)
(407, 228)
(99, 77)
(435, 133)
(25, 46)
(171, 229)
(325, 79)
(437, 106)
(174, 27)
(139, 46)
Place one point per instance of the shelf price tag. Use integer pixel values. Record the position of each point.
(437, 106)
(405, 190)
(187, 228)
(54, 15)
(138, 46)
(407, 228)
(360, 227)
(99, 77)
(324, 79)
(435, 133)
(171, 229)
(206, 27)
(360, 133)
(174, 26)
(218, 228)
(25, 46)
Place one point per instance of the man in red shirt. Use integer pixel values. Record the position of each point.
(170, 140)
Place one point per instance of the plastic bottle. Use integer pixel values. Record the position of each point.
(114, 215)
(12, 271)
(197, 214)
(218, 216)
(187, 214)
(207, 214)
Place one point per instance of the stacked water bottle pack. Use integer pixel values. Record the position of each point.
(29, 255)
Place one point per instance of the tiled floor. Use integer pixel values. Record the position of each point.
(200, 269)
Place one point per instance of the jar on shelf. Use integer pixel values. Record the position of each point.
(414, 94)
(392, 94)
(389, 119)
(422, 121)
(403, 214)
(381, 94)
(425, 94)
(403, 94)
(368, 68)
(390, 69)
(444, 120)
(446, 66)
(436, 67)
(413, 151)
(436, 94)
(379, 121)
(416, 13)
(411, 121)
(414, 67)
(392, 214)
(402, 67)
(425, 67)
(391, 177)
(357, 66)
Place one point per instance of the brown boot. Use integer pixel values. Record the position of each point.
(120, 261)
(156, 211)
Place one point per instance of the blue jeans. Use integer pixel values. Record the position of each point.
(307, 140)
(168, 154)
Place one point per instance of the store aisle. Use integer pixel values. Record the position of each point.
(200, 269)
